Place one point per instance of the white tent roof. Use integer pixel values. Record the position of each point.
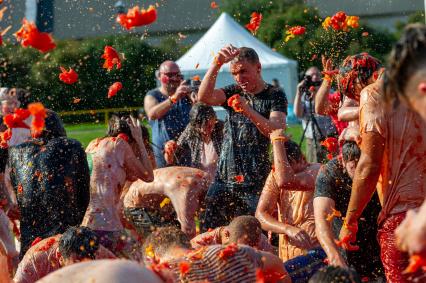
(223, 32)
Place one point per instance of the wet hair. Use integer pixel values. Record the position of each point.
(294, 154)
(247, 54)
(407, 57)
(117, 125)
(53, 126)
(333, 274)
(164, 238)
(245, 228)
(79, 241)
(199, 115)
(360, 66)
(350, 151)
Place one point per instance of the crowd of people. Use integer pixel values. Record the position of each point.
(204, 200)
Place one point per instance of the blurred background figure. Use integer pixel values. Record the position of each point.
(167, 108)
(316, 127)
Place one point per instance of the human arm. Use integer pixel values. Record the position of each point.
(365, 180)
(349, 110)
(170, 148)
(186, 205)
(284, 174)
(207, 239)
(298, 107)
(277, 119)
(323, 207)
(323, 105)
(156, 110)
(206, 92)
(264, 213)
(143, 168)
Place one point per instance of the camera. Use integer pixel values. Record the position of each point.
(194, 85)
(309, 82)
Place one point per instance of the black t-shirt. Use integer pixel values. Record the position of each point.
(52, 185)
(245, 148)
(333, 182)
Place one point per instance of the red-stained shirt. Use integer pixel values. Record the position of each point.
(402, 182)
(43, 258)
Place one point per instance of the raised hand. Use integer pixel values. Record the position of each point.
(226, 54)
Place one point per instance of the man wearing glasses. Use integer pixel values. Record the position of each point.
(167, 108)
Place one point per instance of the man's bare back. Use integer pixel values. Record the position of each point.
(184, 186)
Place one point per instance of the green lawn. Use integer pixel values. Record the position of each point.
(87, 132)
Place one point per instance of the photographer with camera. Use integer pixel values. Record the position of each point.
(167, 108)
(316, 127)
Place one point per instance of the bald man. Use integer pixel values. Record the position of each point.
(174, 188)
(167, 108)
(304, 105)
(107, 271)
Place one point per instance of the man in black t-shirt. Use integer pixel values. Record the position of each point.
(332, 194)
(244, 162)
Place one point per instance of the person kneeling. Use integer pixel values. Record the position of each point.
(169, 252)
(45, 256)
(245, 230)
(290, 186)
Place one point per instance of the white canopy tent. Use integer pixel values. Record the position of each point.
(227, 31)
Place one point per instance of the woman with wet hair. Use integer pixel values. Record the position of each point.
(119, 157)
(406, 83)
(393, 151)
(200, 143)
(356, 73)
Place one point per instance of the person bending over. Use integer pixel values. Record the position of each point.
(45, 256)
(169, 252)
(290, 187)
(331, 199)
(174, 189)
(243, 230)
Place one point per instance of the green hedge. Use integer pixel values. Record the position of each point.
(27, 68)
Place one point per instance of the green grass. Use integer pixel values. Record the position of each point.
(88, 132)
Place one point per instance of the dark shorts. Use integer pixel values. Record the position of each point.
(223, 203)
(146, 220)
